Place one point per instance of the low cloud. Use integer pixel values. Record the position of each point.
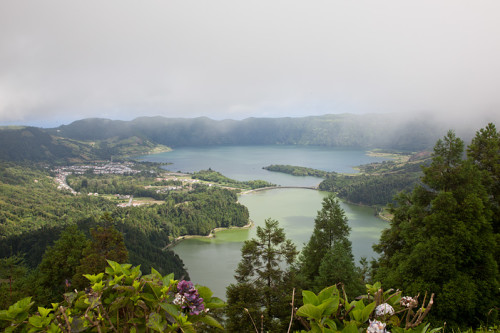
(61, 61)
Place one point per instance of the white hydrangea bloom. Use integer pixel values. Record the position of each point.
(384, 309)
(179, 299)
(408, 301)
(376, 327)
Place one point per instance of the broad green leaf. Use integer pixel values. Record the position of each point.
(350, 328)
(98, 286)
(113, 268)
(367, 311)
(167, 279)
(171, 309)
(187, 328)
(209, 320)
(315, 328)
(356, 314)
(204, 292)
(328, 307)
(53, 328)
(18, 311)
(155, 322)
(330, 324)
(4, 315)
(136, 284)
(310, 311)
(434, 330)
(119, 303)
(309, 297)
(135, 272)
(327, 293)
(215, 303)
(94, 278)
(43, 311)
(36, 321)
(155, 273)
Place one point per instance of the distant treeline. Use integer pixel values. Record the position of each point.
(377, 185)
(298, 170)
(91, 139)
(217, 177)
(344, 130)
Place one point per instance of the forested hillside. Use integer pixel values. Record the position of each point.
(444, 235)
(361, 131)
(376, 185)
(31, 144)
(34, 212)
(91, 139)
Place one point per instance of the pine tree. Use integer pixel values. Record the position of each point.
(484, 152)
(12, 272)
(327, 258)
(59, 263)
(107, 244)
(264, 282)
(441, 240)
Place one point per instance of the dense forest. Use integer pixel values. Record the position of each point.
(375, 185)
(34, 214)
(31, 144)
(217, 177)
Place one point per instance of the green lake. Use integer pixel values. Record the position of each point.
(212, 262)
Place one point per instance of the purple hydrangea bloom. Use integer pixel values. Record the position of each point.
(187, 296)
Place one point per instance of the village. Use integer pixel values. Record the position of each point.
(97, 168)
(124, 168)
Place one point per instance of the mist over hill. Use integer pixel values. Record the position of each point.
(97, 138)
(345, 130)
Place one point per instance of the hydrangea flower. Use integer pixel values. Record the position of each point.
(384, 309)
(188, 298)
(376, 327)
(408, 301)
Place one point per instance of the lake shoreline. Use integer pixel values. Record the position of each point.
(212, 234)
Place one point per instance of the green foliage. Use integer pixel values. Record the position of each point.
(330, 311)
(217, 177)
(484, 152)
(264, 281)
(38, 145)
(33, 213)
(59, 263)
(377, 184)
(383, 131)
(298, 171)
(441, 239)
(370, 189)
(327, 257)
(12, 280)
(106, 244)
(120, 299)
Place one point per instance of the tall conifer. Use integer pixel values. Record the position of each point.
(327, 258)
(441, 240)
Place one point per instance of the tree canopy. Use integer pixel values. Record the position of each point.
(327, 257)
(264, 281)
(441, 238)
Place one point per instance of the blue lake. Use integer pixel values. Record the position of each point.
(212, 262)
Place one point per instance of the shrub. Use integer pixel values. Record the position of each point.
(120, 300)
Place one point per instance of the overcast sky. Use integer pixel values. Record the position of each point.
(120, 59)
